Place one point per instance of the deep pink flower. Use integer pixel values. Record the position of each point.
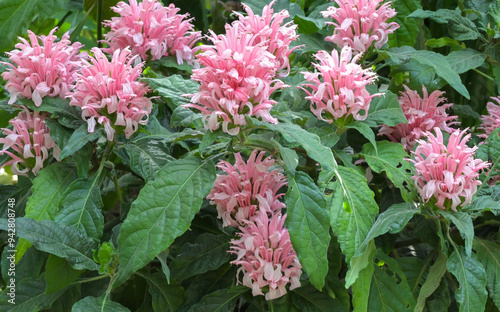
(359, 23)
(28, 143)
(109, 94)
(42, 67)
(339, 86)
(492, 120)
(266, 256)
(423, 114)
(271, 31)
(245, 188)
(237, 79)
(152, 31)
(447, 173)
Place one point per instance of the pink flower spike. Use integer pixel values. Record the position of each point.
(360, 23)
(152, 31)
(447, 173)
(339, 88)
(110, 94)
(266, 256)
(492, 120)
(42, 67)
(423, 114)
(245, 188)
(28, 143)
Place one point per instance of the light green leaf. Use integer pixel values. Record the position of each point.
(148, 156)
(171, 62)
(102, 304)
(307, 222)
(289, 157)
(361, 288)
(463, 222)
(436, 273)
(488, 253)
(174, 87)
(360, 263)
(165, 297)
(59, 274)
(408, 29)
(184, 117)
(163, 211)
(78, 140)
(223, 300)
(465, 60)
(385, 110)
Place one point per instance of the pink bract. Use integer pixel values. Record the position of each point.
(152, 31)
(237, 79)
(245, 188)
(447, 173)
(28, 139)
(42, 67)
(360, 23)
(109, 94)
(423, 114)
(492, 120)
(266, 256)
(338, 89)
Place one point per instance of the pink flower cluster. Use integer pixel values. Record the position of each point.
(492, 120)
(447, 173)
(42, 67)
(109, 93)
(28, 139)
(246, 197)
(240, 69)
(338, 90)
(152, 31)
(360, 23)
(423, 114)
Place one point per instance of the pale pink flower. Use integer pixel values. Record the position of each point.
(339, 86)
(359, 23)
(28, 143)
(266, 256)
(447, 173)
(110, 94)
(492, 120)
(152, 31)
(423, 114)
(237, 79)
(271, 31)
(245, 188)
(42, 67)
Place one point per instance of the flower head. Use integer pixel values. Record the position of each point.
(339, 88)
(360, 23)
(270, 30)
(423, 114)
(492, 120)
(152, 31)
(266, 256)
(109, 94)
(447, 173)
(28, 143)
(42, 67)
(237, 79)
(245, 188)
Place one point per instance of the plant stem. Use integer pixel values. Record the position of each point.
(484, 75)
(99, 22)
(87, 280)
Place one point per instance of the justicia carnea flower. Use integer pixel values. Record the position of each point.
(423, 114)
(42, 67)
(28, 143)
(245, 188)
(271, 31)
(447, 173)
(338, 89)
(492, 120)
(152, 31)
(360, 23)
(109, 94)
(266, 256)
(237, 79)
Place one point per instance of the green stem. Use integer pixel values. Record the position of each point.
(117, 187)
(108, 290)
(484, 75)
(87, 280)
(271, 305)
(99, 22)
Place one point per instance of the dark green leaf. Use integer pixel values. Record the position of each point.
(165, 297)
(174, 87)
(385, 110)
(223, 300)
(103, 304)
(408, 29)
(289, 157)
(148, 156)
(465, 60)
(365, 130)
(308, 299)
(184, 117)
(488, 253)
(436, 273)
(171, 62)
(361, 288)
(463, 222)
(59, 274)
(78, 140)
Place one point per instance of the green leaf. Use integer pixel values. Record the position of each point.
(463, 222)
(307, 222)
(308, 299)
(436, 273)
(365, 130)
(471, 295)
(385, 110)
(78, 140)
(59, 274)
(361, 287)
(406, 34)
(148, 156)
(207, 253)
(162, 212)
(437, 61)
(488, 253)
(465, 60)
(308, 25)
(81, 208)
(289, 157)
(171, 62)
(162, 257)
(165, 297)
(491, 150)
(391, 160)
(19, 192)
(223, 300)
(57, 239)
(103, 304)
(443, 42)
(184, 117)
(174, 87)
